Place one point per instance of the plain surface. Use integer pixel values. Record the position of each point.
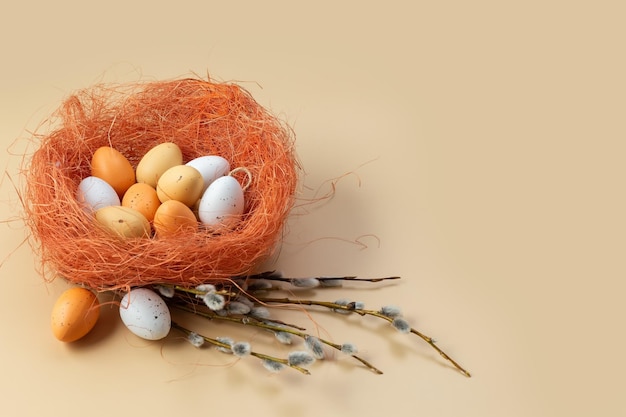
(486, 142)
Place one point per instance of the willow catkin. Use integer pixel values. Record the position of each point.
(202, 118)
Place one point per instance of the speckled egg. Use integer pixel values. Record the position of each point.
(143, 198)
(222, 203)
(123, 221)
(145, 314)
(211, 167)
(182, 183)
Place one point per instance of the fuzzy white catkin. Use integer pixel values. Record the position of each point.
(227, 341)
(342, 302)
(206, 287)
(349, 349)
(300, 358)
(241, 349)
(273, 366)
(260, 312)
(214, 301)
(235, 307)
(305, 282)
(284, 337)
(166, 291)
(401, 325)
(245, 300)
(315, 346)
(195, 339)
(390, 311)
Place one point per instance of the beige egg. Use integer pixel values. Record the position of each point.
(156, 161)
(182, 183)
(123, 221)
(172, 217)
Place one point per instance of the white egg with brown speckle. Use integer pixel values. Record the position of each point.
(211, 167)
(145, 314)
(222, 204)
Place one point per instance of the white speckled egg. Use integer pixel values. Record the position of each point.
(94, 193)
(145, 314)
(211, 167)
(222, 203)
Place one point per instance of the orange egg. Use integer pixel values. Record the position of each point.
(113, 167)
(173, 216)
(74, 314)
(142, 198)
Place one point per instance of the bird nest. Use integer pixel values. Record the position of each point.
(202, 118)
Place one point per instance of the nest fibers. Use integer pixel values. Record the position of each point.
(202, 118)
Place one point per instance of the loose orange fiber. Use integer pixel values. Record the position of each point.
(203, 118)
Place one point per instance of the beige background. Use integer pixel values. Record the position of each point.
(487, 142)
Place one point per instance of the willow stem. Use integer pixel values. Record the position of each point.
(201, 293)
(351, 308)
(264, 325)
(271, 276)
(262, 356)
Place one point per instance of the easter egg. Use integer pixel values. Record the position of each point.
(222, 203)
(145, 314)
(74, 314)
(173, 216)
(211, 167)
(143, 198)
(158, 160)
(123, 221)
(93, 193)
(182, 183)
(113, 167)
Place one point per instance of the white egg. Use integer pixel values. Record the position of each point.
(145, 314)
(95, 193)
(222, 203)
(211, 167)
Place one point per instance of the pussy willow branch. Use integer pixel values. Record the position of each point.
(363, 312)
(262, 356)
(273, 276)
(248, 321)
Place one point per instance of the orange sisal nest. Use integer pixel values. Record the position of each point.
(202, 118)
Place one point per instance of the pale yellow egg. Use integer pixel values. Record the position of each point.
(158, 160)
(182, 183)
(123, 221)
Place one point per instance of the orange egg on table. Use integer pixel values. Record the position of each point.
(173, 216)
(143, 198)
(74, 314)
(110, 165)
